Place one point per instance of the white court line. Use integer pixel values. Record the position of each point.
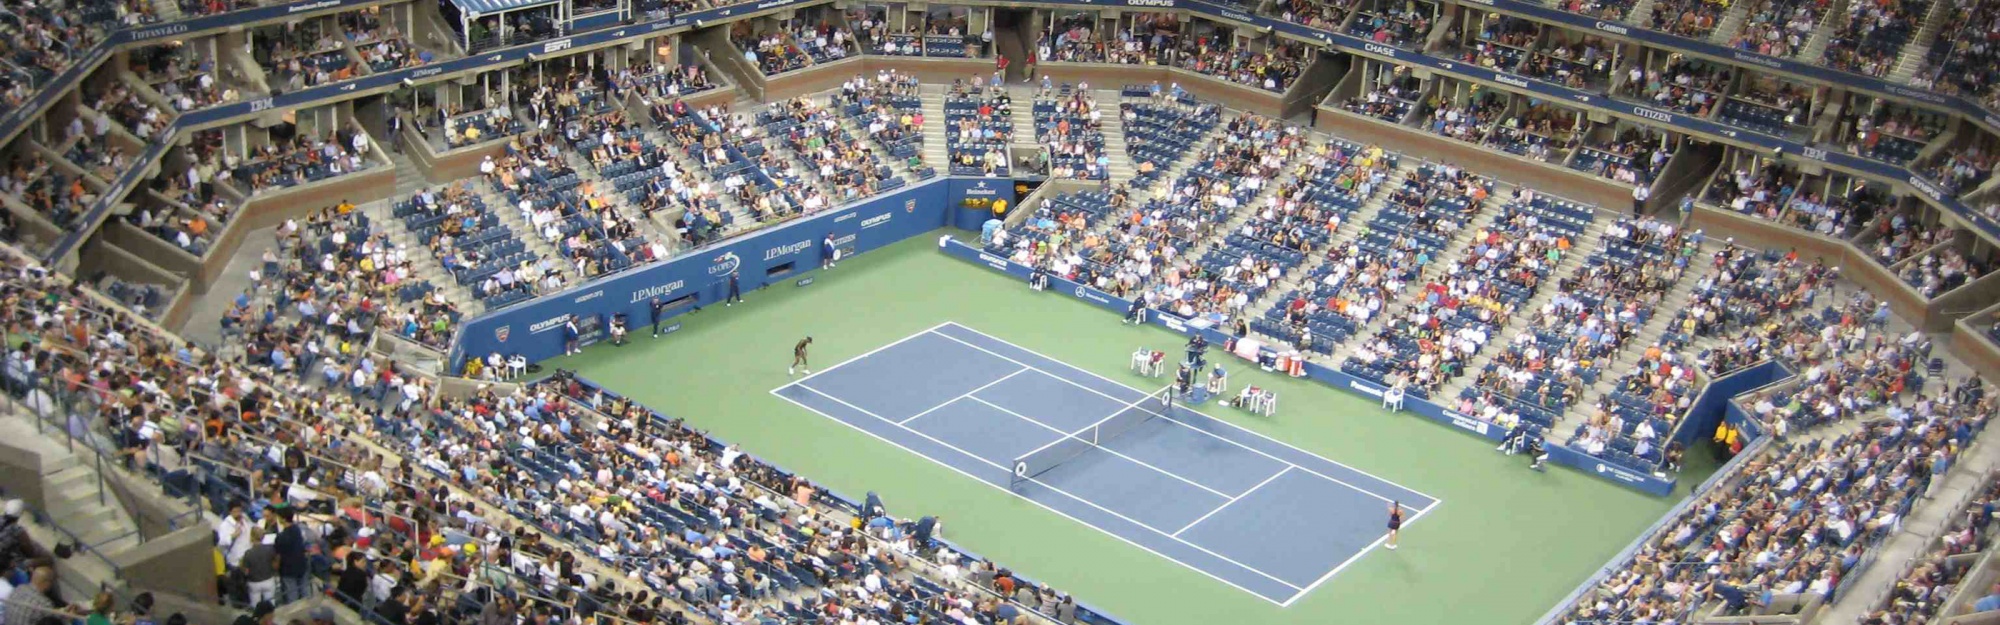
(843, 363)
(964, 395)
(1357, 556)
(1064, 493)
(1114, 452)
(1274, 477)
(1191, 427)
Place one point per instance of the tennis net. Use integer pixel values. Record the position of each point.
(1059, 451)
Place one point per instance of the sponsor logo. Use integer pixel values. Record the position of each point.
(877, 220)
(1915, 94)
(1174, 323)
(1376, 48)
(1621, 474)
(427, 72)
(1814, 154)
(1583, 97)
(1364, 389)
(1164, 4)
(590, 296)
(163, 31)
(910, 205)
(1466, 422)
(314, 6)
(724, 264)
(805, 281)
(501, 333)
(1615, 29)
(1655, 115)
(660, 290)
(1925, 187)
(982, 190)
(1485, 2)
(548, 324)
(1510, 80)
(787, 249)
(994, 261)
(849, 215)
(659, 26)
(1757, 59)
(671, 328)
(841, 243)
(557, 45)
(1238, 17)
(350, 86)
(1992, 120)
(1090, 294)
(772, 4)
(260, 105)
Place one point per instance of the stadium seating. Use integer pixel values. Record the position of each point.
(1067, 125)
(978, 126)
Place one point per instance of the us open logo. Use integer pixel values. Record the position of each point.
(910, 205)
(724, 264)
(501, 333)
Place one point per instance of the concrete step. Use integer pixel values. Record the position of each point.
(1731, 23)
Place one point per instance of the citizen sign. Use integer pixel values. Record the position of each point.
(1658, 116)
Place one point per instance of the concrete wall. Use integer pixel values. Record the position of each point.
(180, 563)
(262, 211)
(1546, 177)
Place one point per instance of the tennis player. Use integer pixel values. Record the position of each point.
(1395, 522)
(799, 358)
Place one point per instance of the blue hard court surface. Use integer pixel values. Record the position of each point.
(1247, 510)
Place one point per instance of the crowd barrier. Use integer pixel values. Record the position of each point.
(1639, 478)
(701, 277)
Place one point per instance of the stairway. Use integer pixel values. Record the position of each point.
(1731, 22)
(685, 163)
(1919, 48)
(169, 11)
(510, 216)
(381, 213)
(1023, 115)
(1641, 14)
(935, 129)
(74, 502)
(1834, 18)
(1112, 124)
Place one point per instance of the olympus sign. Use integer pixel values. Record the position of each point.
(550, 324)
(877, 220)
(1927, 188)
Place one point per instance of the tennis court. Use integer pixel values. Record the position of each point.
(1247, 510)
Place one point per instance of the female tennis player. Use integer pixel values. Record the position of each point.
(799, 358)
(1395, 522)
